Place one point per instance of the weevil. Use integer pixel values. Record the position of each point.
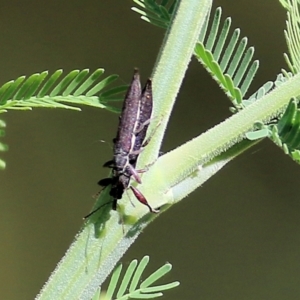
(121, 182)
(143, 121)
(128, 120)
(132, 129)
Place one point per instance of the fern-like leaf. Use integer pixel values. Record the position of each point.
(75, 88)
(284, 131)
(129, 289)
(292, 35)
(230, 63)
(41, 90)
(232, 67)
(154, 13)
(286, 134)
(266, 88)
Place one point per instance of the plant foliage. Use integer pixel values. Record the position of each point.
(57, 91)
(229, 61)
(153, 12)
(225, 57)
(132, 286)
(292, 35)
(284, 130)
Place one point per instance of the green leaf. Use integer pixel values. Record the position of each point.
(292, 35)
(259, 134)
(154, 13)
(50, 82)
(89, 82)
(39, 91)
(113, 281)
(235, 65)
(132, 278)
(127, 277)
(138, 273)
(234, 70)
(74, 89)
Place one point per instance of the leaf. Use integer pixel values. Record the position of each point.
(284, 132)
(75, 88)
(154, 13)
(231, 67)
(292, 35)
(132, 278)
(234, 64)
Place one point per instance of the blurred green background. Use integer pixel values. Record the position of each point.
(237, 237)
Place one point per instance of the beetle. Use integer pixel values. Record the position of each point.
(124, 167)
(128, 120)
(129, 142)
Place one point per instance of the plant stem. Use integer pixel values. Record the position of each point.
(103, 240)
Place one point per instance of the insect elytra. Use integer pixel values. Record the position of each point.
(129, 141)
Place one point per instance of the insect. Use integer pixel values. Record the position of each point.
(128, 121)
(129, 142)
(143, 121)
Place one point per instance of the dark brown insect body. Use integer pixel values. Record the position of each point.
(128, 144)
(125, 139)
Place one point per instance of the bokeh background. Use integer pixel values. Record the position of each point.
(237, 237)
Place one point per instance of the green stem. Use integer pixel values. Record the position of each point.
(185, 167)
(103, 239)
(220, 138)
(171, 65)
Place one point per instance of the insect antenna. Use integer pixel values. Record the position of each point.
(95, 210)
(104, 182)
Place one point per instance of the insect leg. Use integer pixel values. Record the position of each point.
(141, 198)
